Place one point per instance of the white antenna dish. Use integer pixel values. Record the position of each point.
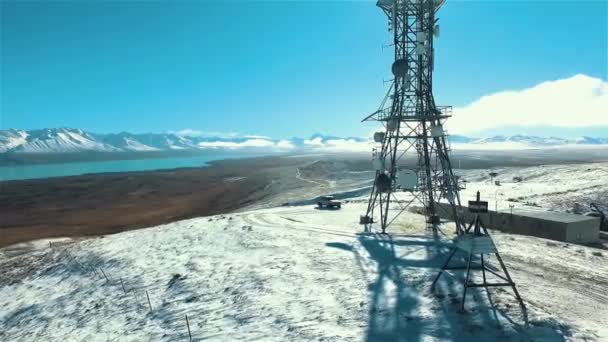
(437, 131)
(407, 179)
(420, 49)
(378, 164)
(421, 37)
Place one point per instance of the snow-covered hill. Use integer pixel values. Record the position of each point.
(11, 139)
(562, 188)
(501, 142)
(147, 142)
(74, 140)
(292, 274)
(51, 140)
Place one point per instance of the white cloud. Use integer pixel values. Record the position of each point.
(285, 144)
(348, 145)
(250, 143)
(188, 132)
(219, 144)
(257, 143)
(256, 137)
(339, 145)
(316, 142)
(578, 101)
(494, 146)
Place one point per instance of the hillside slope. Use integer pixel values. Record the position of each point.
(292, 273)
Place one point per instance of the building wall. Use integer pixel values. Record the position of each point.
(531, 226)
(583, 232)
(580, 232)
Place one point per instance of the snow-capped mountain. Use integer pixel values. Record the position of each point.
(591, 141)
(51, 140)
(60, 140)
(526, 141)
(146, 142)
(11, 139)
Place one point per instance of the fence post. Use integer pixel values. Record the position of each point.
(149, 304)
(188, 325)
(104, 274)
(95, 271)
(135, 296)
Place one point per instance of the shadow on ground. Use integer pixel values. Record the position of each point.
(399, 271)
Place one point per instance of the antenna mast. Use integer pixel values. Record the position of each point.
(413, 123)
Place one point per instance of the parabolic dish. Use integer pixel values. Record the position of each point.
(378, 164)
(407, 179)
(391, 125)
(400, 67)
(379, 137)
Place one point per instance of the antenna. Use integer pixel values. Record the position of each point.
(477, 242)
(413, 124)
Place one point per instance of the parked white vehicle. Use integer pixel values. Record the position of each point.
(329, 202)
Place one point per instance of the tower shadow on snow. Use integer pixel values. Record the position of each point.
(398, 288)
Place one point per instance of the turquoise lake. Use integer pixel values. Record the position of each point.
(79, 168)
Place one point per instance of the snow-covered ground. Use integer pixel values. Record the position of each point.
(557, 187)
(292, 274)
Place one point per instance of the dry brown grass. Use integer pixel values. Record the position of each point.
(108, 203)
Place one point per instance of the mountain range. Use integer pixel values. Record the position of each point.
(60, 140)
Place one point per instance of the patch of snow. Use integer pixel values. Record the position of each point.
(11, 139)
(556, 187)
(134, 145)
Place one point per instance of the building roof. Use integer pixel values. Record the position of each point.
(551, 215)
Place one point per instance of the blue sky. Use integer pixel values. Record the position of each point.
(279, 69)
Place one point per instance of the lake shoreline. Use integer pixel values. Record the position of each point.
(8, 159)
(116, 163)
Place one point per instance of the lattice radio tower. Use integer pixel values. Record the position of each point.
(413, 123)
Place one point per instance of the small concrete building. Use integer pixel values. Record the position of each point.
(541, 223)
